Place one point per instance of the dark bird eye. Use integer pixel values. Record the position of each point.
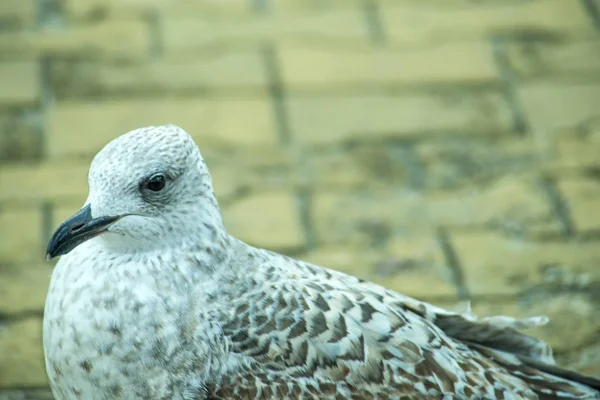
(156, 182)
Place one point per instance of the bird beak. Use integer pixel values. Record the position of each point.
(76, 230)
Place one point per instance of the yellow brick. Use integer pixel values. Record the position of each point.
(542, 59)
(509, 205)
(18, 11)
(572, 151)
(231, 70)
(85, 127)
(268, 220)
(20, 83)
(583, 198)
(21, 233)
(551, 107)
(88, 9)
(109, 40)
(24, 287)
(413, 266)
(22, 361)
(128, 9)
(494, 265)
(182, 35)
(19, 139)
(462, 162)
(469, 62)
(330, 119)
(428, 21)
(48, 181)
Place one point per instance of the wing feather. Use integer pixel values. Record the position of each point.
(315, 330)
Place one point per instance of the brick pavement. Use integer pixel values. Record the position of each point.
(444, 148)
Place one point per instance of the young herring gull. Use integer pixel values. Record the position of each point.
(153, 299)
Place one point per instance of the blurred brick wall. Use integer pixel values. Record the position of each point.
(448, 149)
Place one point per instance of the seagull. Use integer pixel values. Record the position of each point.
(153, 299)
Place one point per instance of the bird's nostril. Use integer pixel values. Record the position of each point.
(77, 227)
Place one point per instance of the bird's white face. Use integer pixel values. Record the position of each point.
(148, 186)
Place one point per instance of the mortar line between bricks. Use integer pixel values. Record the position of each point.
(375, 25)
(559, 206)
(303, 201)
(276, 92)
(407, 155)
(592, 9)
(49, 13)
(509, 92)
(18, 316)
(47, 209)
(156, 47)
(260, 5)
(453, 263)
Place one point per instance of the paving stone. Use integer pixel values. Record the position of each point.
(269, 220)
(23, 287)
(553, 107)
(417, 22)
(17, 13)
(330, 119)
(582, 197)
(48, 181)
(411, 265)
(22, 361)
(330, 67)
(83, 128)
(510, 205)
(545, 59)
(27, 394)
(21, 233)
(19, 138)
(184, 34)
(229, 72)
(20, 83)
(109, 41)
(465, 162)
(494, 264)
(572, 151)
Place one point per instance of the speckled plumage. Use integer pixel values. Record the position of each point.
(167, 305)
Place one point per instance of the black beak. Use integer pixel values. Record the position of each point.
(76, 230)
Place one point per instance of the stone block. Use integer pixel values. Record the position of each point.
(116, 41)
(230, 72)
(23, 287)
(51, 181)
(460, 162)
(189, 33)
(583, 198)
(553, 107)
(462, 63)
(20, 83)
(83, 128)
(19, 139)
(21, 233)
(22, 361)
(548, 59)
(510, 205)
(18, 13)
(329, 119)
(413, 266)
(270, 220)
(494, 264)
(417, 22)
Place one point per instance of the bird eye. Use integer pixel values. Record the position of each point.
(156, 182)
